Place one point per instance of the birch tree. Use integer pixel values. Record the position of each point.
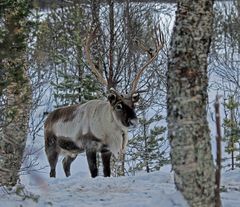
(16, 90)
(187, 98)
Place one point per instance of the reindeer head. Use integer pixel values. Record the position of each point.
(124, 107)
(124, 104)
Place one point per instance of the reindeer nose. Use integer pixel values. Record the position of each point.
(133, 122)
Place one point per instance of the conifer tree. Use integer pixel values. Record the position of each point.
(232, 131)
(63, 33)
(148, 149)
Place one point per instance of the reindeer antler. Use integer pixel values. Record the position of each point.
(95, 71)
(152, 55)
(112, 90)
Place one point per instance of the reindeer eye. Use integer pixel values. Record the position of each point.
(119, 107)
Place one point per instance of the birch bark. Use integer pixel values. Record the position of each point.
(17, 91)
(187, 98)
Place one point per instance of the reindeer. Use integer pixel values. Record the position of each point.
(95, 126)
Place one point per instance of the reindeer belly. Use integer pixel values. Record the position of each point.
(68, 147)
(72, 148)
(90, 142)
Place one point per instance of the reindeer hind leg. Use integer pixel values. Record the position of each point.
(51, 152)
(67, 161)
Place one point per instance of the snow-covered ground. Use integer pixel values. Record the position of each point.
(143, 190)
(231, 188)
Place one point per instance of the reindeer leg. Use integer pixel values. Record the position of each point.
(51, 152)
(106, 157)
(92, 162)
(53, 158)
(67, 164)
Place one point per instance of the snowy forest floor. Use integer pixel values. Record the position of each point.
(143, 190)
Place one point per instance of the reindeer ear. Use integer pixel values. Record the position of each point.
(135, 97)
(112, 98)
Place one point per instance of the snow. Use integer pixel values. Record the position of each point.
(142, 190)
(155, 189)
(231, 187)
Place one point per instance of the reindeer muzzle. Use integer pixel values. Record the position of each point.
(133, 122)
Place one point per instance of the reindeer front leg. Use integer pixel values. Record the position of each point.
(92, 162)
(106, 157)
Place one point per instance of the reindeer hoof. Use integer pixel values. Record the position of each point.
(53, 174)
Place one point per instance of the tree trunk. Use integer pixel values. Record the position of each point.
(187, 98)
(17, 92)
(14, 136)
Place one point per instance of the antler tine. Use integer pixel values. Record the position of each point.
(112, 90)
(93, 68)
(159, 45)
